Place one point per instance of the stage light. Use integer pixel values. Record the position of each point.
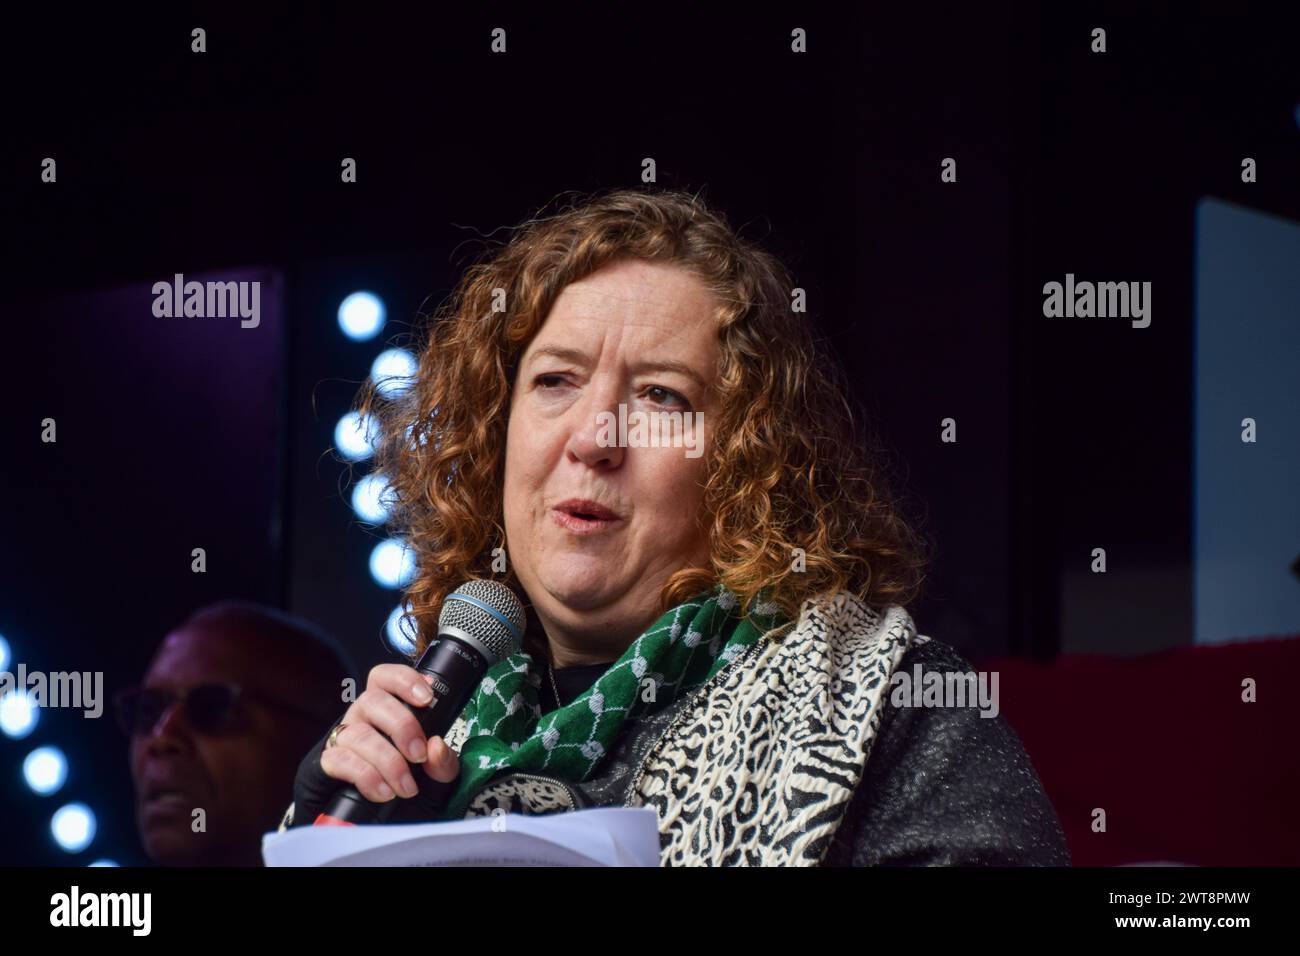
(370, 499)
(392, 563)
(4, 653)
(73, 826)
(362, 316)
(401, 631)
(353, 436)
(18, 713)
(393, 372)
(45, 770)
(104, 863)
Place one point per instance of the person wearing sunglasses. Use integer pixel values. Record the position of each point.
(230, 701)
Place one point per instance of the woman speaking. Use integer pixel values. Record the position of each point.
(716, 608)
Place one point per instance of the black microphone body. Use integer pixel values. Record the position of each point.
(456, 668)
(481, 622)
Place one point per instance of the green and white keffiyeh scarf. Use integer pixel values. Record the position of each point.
(506, 729)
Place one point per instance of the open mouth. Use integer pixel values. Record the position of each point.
(165, 794)
(583, 517)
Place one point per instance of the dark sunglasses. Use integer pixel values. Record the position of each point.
(209, 708)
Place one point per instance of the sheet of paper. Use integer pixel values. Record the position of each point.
(601, 836)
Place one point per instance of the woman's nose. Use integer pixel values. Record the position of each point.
(593, 429)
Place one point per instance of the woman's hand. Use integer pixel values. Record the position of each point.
(361, 755)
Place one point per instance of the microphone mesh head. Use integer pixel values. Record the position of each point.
(488, 611)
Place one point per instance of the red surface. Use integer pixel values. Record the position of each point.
(1186, 771)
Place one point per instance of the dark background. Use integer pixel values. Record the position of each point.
(176, 434)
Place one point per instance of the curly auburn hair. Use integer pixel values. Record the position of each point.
(787, 468)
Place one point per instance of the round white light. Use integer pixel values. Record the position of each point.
(45, 769)
(73, 827)
(401, 631)
(362, 316)
(394, 372)
(370, 499)
(18, 713)
(354, 436)
(392, 563)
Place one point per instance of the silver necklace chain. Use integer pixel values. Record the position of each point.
(550, 669)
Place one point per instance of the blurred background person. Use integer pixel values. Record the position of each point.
(230, 701)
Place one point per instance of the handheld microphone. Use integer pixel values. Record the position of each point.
(481, 622)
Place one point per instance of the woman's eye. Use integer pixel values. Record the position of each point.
(666, 396)
(547, 381)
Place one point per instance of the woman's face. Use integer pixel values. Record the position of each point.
(635, 333)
